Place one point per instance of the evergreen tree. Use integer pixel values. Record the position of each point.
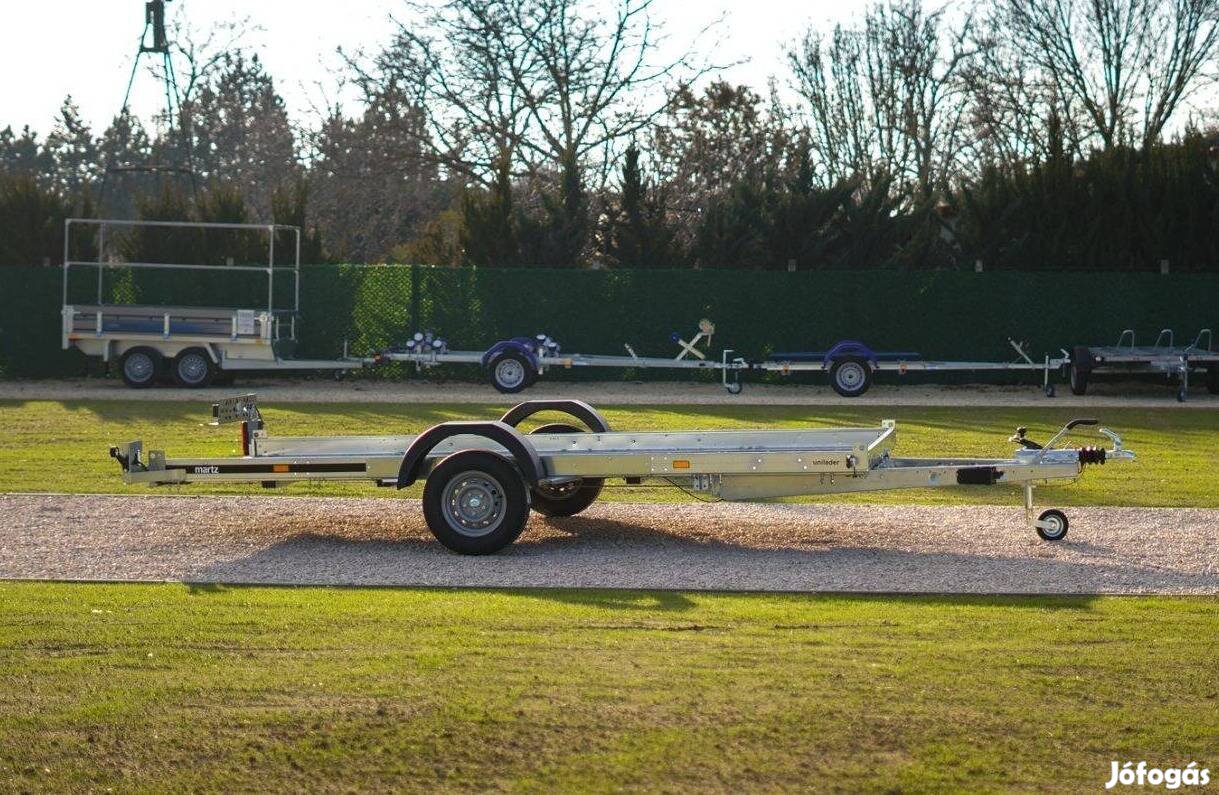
(637, 232)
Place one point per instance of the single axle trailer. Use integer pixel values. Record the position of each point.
(1164, 357)
(482, 478)
(852, 364)
(192, 345)
(515, 364)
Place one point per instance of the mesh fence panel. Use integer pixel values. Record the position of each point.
(941, 314)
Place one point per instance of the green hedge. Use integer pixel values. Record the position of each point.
(942, 314)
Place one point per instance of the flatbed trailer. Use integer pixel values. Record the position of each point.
(1164, 357)
(851, 365)
(193, 345)
(482, 478)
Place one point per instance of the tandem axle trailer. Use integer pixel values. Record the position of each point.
(481, 479)
(192, 345)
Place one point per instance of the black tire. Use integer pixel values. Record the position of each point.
(1212, 378)
(851, 377)
(734, 388)
(1049, 390)
(570, 499)
(475, 502)
(140, 367)
(193, 368)
(512, 372)
(1080, 369)
(1079, 379)
(1056, 516)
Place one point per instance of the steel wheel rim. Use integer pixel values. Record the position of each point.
(138, 367)
(192, 368)
(1054, 528)
(473, 504)
(850, 375)
(510, 372)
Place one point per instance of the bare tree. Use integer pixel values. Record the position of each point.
(1122, 68)
(885, 98)
(543, 82)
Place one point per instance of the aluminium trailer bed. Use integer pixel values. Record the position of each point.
(482, 478)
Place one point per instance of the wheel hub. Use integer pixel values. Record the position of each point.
(138, 367)
(850, 375)
(509, 372)
(474, 504)
(192, 368)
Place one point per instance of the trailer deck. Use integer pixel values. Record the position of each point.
(1164, 357)
(482, 478)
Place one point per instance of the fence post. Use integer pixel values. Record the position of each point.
(414, 324)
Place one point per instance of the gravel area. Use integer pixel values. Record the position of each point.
(824, 547)
(1130, 395)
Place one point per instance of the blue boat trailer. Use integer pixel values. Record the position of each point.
(515, 364)
(852, 365)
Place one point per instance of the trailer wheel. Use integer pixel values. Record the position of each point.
(1079, 379)
(734, 388)
(570, 498)
(475, 502)
(850, 377)
(140, 367)
(1049, 390)
(193, 368)
(1056, 525)
(511, 372)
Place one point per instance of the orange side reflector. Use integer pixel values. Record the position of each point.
(279, 467)
(681, 463)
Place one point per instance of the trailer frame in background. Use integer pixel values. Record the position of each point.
(482, 478)
(1164, 357)
(515, 364)
(194, 344)
(851, 365)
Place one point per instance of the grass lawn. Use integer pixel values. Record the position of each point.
(167, 687)
(62, 446)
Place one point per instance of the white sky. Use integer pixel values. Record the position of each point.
(85, 48)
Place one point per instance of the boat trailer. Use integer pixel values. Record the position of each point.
(482, 478)
(515, 364)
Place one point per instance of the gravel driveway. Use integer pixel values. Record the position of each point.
(1100, 395)
(825, 547)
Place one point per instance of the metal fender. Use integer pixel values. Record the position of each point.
(849, 349)
(521, 345)
(521, 451)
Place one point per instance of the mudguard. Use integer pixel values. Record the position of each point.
(521, 345)
(848, 349)
(578, 409)
(522, 452)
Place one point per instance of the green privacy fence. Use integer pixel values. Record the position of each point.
(942, 314)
